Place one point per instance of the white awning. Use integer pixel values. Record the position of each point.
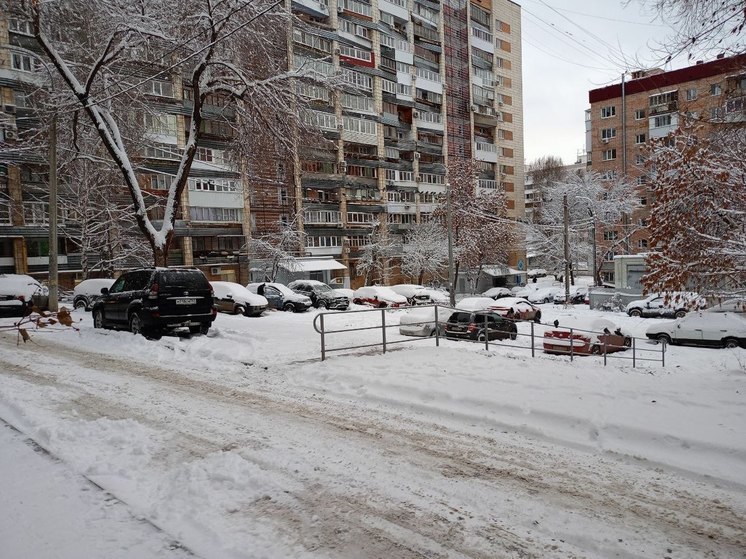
(498, 271)
(312, 265)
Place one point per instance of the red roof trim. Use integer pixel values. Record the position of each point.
(667, 79)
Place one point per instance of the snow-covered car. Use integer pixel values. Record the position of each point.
(730, 305)
(16, 294)
(479, 326)
(234, 298)
(378, 297)
(322, 296)
(421, 321)
(545, 294)
(578, 296)
(672, 304)
(584, 337)
(476, 304)
(497, 292)
(408, 290)
(702, 329)
(87, 292)
(522, 309)
(280, 296)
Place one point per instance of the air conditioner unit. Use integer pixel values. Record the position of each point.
(416, 114)
(10, 109)
(343, 167)
(416, 155)
(340, 127)
(337, 51)
(499, 103)
(605, 140)
(474, 108)
(340, 9)
(215, 270)
(10, 134)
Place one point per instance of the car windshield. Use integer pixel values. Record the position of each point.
(323, 287)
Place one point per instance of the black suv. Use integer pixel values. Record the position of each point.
(479, 325)
(322, 296)
(151, 301)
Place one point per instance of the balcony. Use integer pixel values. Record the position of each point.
(322, 217)
(316, 8)
(485, 152)
(665, 108)
(488, 184)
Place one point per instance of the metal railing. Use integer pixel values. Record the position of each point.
(440, 313)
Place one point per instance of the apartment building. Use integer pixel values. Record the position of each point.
(625, 116)
(429, 81)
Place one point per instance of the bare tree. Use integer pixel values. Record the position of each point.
(102, 48)
(698, 219)
(482, 234)
(425, 252)
(376, 256)
(274, 250)
(543, 173)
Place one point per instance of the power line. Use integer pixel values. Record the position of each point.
(558, 57)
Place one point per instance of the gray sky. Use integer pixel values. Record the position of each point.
(569, 48)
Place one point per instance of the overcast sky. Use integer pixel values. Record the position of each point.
(569, 48)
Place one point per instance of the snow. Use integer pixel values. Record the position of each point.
(243, 443)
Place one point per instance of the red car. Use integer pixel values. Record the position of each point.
(596, 337)
(378, 297)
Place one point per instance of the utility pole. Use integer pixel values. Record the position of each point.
(53, 268)
(566, 215)
(449, 223)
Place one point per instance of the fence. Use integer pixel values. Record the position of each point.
(573, 343)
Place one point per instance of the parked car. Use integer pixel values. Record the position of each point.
(545, 294)
(378, 297)
(322, 296)
(420, 295)
(522, 309)
(730, 305)
(88, 292)
(497, 292)
(578, 296)
(703, 329)
(479, 326)
(234, 298)
(16, 294)
(153, 301)
(281, 297)
(673, 304)
(476, 304)
(584, 337)
(421, 321)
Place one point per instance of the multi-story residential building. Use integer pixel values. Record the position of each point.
(429, 82)
(623, 117)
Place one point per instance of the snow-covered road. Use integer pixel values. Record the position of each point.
(243, 444)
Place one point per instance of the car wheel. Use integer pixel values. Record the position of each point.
(481, 337)
(356, 302)
(681, 313)
(321, 304)
(289, 307)
(635, 312)
(537, 318)
(135, 324)
(513, 335)
(730, 343)
(98, 319)
(596, 350)
(80, 303)
(663, 338)
(240, 309)
(382, 305)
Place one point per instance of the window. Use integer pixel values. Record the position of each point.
(23, 62)
(209, 155)
(642, 243)
(431, 178)
(608, 133)
(608, 154)
(715, 89)
(327, 167)
(663, 120)
(323, 241)
(357, 103)
(643, 201)
(160, 181)
(642, 180)
(162, 151)
(352, 52)
(20, 26)
(160, 124)
(663, 98)
(639, 138)
(35, 213)
(611, 235)
(716, 113)
(357, 79)
(5, 213)
(311, 41)
(359, 125)
(639, 114)
(214, 185)
(607, 112)
(639, 159)
(691, 94)
(215, 214)
(159, 88)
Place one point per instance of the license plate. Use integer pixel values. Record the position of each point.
(186, 301)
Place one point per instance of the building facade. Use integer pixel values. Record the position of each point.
(624, 117)
(429, 81)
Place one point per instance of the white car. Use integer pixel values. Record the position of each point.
(476, 304)
(672, 304)
(497, 292)
(88, 292)
(17, 292)
(545, 294)
(280, 296)
(522, 309)
(407, 290)
(703, 329)
(421, 322)
(378, 297)
(731, 305)
(236, 299)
